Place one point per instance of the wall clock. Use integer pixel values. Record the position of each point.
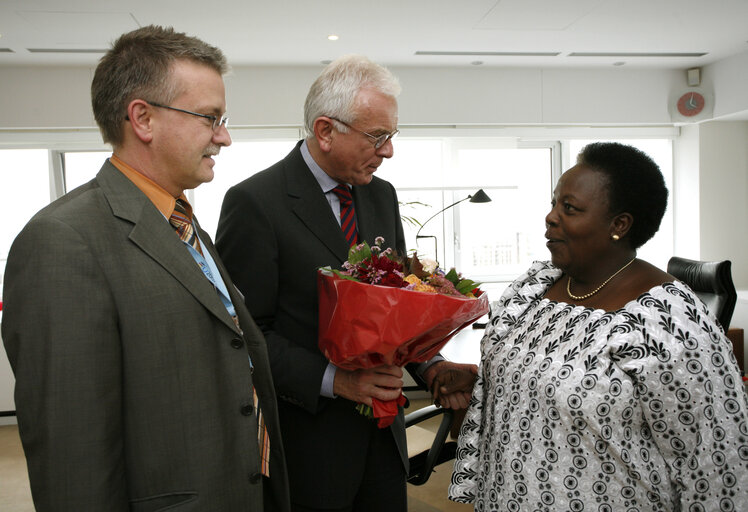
(691, 105)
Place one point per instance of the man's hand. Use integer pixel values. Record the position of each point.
(383, 382)
(451, 384)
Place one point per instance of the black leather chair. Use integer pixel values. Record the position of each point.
(427, 457)
(711, 281)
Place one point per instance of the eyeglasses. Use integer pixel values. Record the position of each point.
(217, 121)
(378, 140)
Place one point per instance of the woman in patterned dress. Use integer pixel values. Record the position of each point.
(605, 385)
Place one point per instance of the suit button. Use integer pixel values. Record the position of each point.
(248, 410)
(237, 343)
(255, 478)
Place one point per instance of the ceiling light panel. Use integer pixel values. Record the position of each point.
(489, 54)
(66, 50)
(635, 54)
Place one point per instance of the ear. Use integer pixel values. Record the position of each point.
(323, 132)
(621, 224)
(139, 117)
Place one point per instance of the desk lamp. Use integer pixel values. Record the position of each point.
(478, 197)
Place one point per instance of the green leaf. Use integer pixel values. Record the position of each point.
(411, 221)
(466, 286)
(365, 410)
(358, 254)
(452, 276)
(330, 271)
(345, 276)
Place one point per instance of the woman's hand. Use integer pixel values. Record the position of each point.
(452, 386)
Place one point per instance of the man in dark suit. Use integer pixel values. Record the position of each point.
(137, 364)
(276, 228)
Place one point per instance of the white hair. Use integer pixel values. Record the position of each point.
(334, 91)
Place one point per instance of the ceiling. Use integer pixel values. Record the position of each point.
(676, 34)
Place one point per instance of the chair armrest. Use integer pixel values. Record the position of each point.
(422, 464)
(424, 413)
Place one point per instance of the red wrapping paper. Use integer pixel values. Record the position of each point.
(385, 412)
(363, 325)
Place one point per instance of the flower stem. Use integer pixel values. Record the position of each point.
(365, 410)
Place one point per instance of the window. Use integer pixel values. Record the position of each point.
(24, 190)
(494, 242)
(82, 166)
(234, 164)
(491, 242)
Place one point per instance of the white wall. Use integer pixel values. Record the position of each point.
(728, 78)
(710, 194)
(274, 96)
(58, 97)
(49, 97)
(723, 194)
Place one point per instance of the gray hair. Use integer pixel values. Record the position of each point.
(138, 66)
(334, 91)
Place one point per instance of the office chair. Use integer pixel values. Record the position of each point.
(422, 455)
(427, 457)
(712, 283)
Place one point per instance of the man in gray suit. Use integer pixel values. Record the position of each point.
(276, 228)
(142, 382)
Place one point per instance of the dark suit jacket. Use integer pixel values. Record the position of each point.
(276, 229)
(132, 381)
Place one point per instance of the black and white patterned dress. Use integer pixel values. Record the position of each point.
(641, 409)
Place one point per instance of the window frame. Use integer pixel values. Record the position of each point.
(60, 141)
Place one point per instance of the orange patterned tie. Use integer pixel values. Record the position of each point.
(263, 438)
(181, 219)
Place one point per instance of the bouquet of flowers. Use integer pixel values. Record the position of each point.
(385, 309)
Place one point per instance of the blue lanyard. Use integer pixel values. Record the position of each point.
(211, 272)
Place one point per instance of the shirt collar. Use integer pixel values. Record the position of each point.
(325, 181)
(160, 198)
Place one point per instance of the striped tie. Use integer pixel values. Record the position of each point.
(181, 219)
(263, 438)
(347, 214)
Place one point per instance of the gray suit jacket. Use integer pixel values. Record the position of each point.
(276, 229)
(133, 386)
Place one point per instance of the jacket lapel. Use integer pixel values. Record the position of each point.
(237, 299)
(155, 237)
(311, 206)
(365, 213)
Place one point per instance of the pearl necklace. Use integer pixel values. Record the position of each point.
(593, 292)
